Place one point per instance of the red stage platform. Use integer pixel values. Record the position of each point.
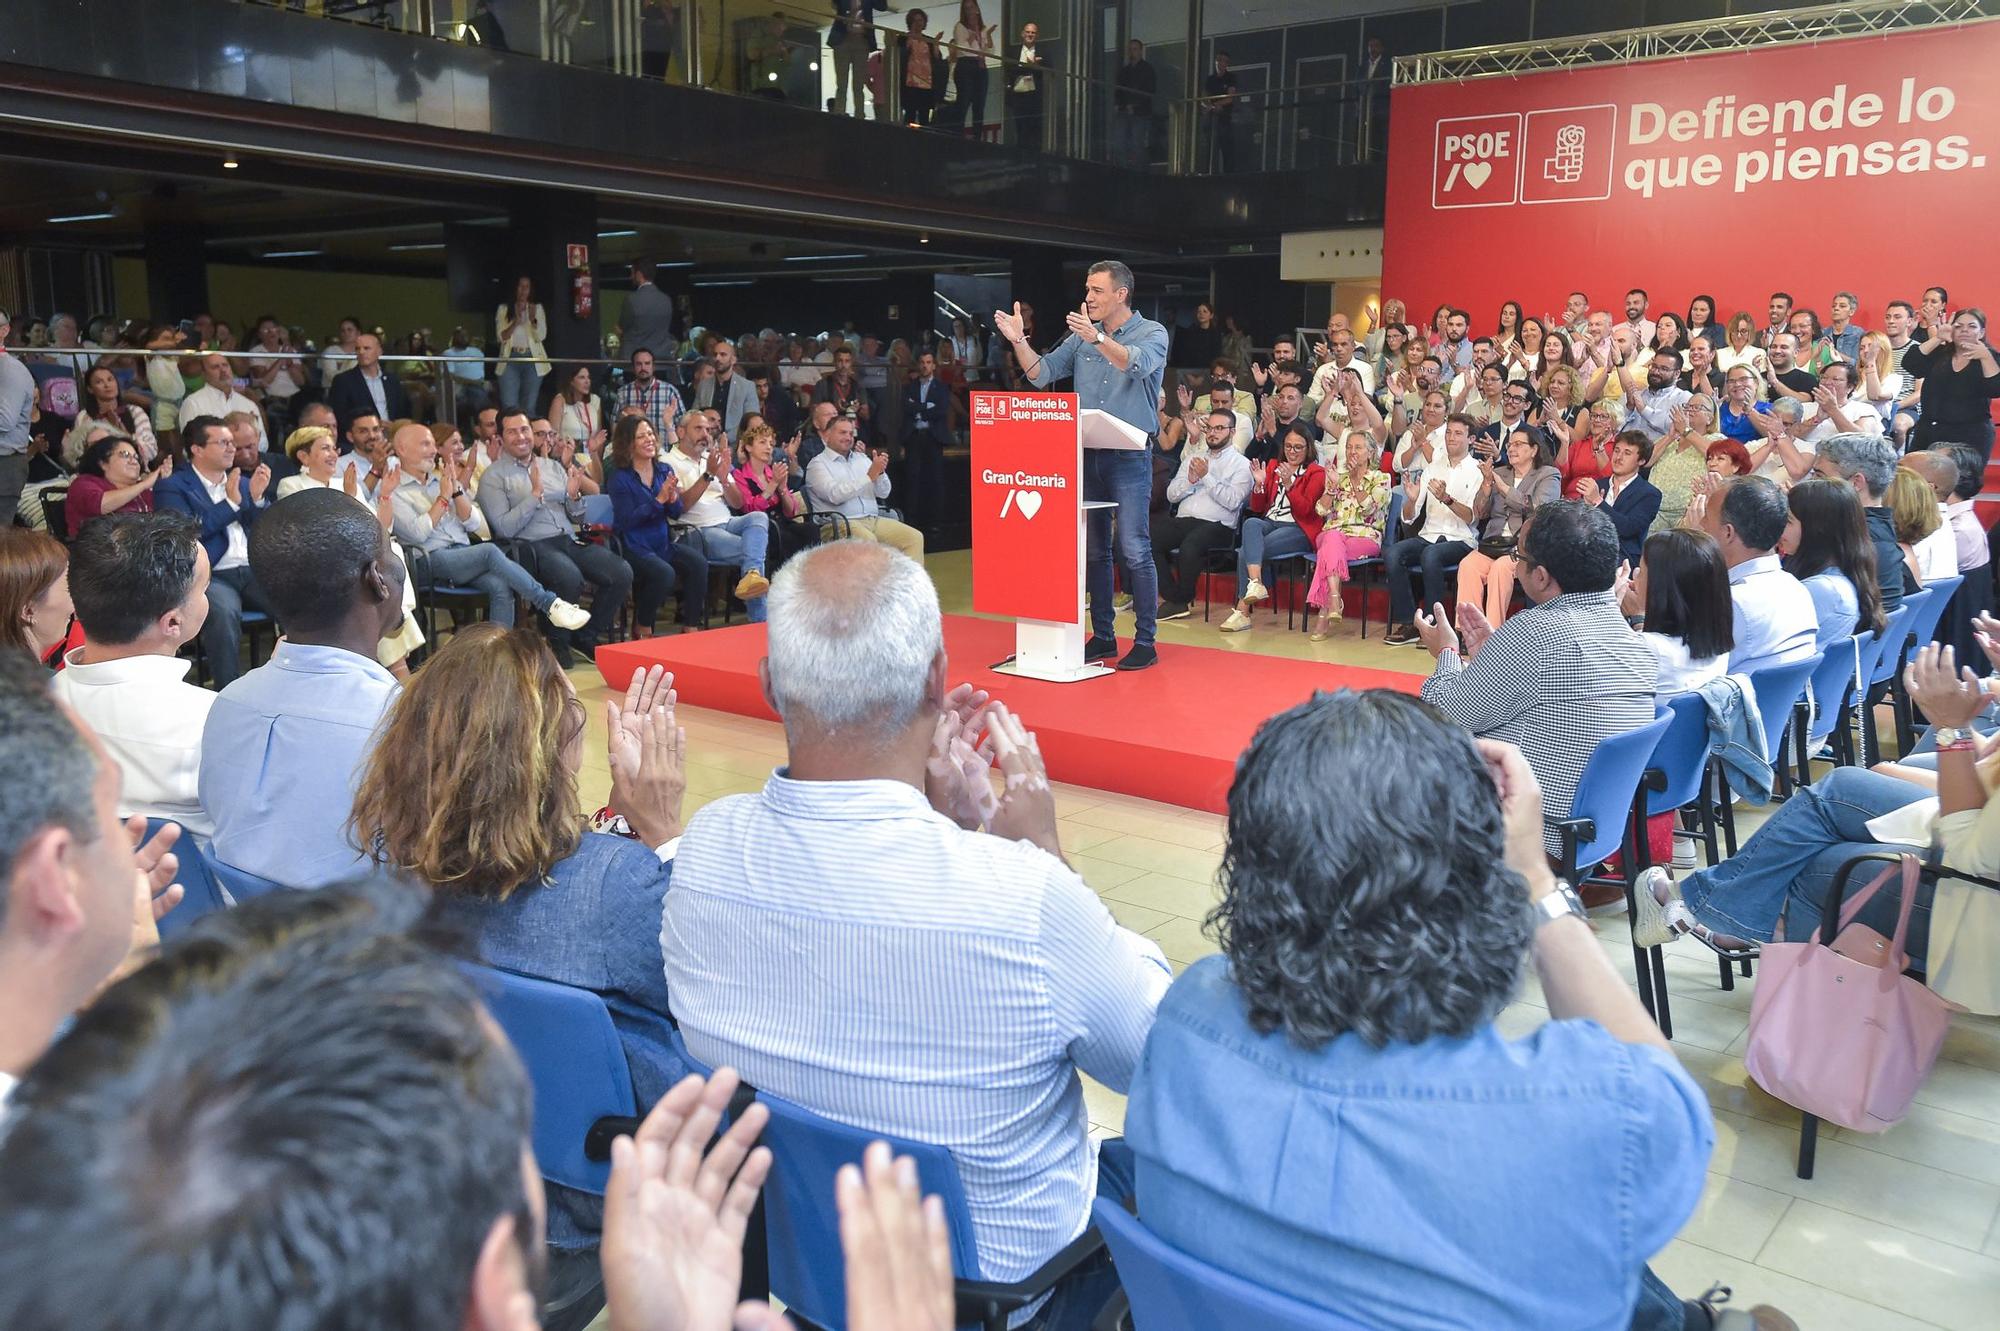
(1171, 733)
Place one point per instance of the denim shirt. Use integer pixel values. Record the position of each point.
(1131, 394)
(1481, 1183)
(595, 924)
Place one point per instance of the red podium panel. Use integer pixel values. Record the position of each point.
(1027, 471)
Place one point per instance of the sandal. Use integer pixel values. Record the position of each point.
(1655, 923)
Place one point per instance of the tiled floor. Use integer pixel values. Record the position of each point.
(1898, 1230)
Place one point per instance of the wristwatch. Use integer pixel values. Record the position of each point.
(1950, 739)
(1557, 902)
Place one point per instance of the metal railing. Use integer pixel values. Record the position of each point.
(1298, 126)
(1778, 28)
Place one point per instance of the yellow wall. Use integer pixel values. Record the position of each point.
(1350, 298)
(238, 293)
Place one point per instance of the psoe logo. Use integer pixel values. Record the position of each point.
(1568, 152)
(1477, 161)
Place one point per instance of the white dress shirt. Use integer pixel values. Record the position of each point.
(209, 401)
(150, 719)
(1775, 621)
(1218, 496)
(711, 509)
(238, 553)
(846, 947)
(1937, 555)
(1326, 379)
(840, 484)
(1462, 480)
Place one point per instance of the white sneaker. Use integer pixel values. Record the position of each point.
(1256, 591)
(1684, 850)
(1236, 623)
(1122, 601)
(566, 616)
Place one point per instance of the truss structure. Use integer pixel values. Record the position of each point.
(1781, 28)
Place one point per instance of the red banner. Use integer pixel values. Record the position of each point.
(1027, 483)
(1869, 165)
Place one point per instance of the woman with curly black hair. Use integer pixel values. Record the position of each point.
(1329, 1107)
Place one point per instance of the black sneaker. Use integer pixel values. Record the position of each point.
(1400, 634)
(1098, 649)
(1174, 610)
(1138, 658)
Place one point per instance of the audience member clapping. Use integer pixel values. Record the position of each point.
(1284, 520)
(1557, 677)
(1208, 493)
(80, 902)
(110, 479)
(1581, 456)
(1868, 463)
(1356, 997)
(1724, 458)
(1508, 495)
(542, 896)
(226, 504)
(1438, 506)
(1355, 510)
(967, 1010)
(1929, 550)
(645, 501)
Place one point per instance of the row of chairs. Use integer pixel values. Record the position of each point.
(1296, 571)
(584, 1099)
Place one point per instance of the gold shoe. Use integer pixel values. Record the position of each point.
(751, 586)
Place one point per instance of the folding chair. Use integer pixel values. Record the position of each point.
(1923, 628)
(1605, 819)
(802, 1223)
(1392, 531)
(1829, 695)
(1164, 1289)
(1896, 638)
(1778, 689)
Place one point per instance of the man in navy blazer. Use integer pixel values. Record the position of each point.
(1630, 499)
(224, 503)
(926, 432)
(368, 388)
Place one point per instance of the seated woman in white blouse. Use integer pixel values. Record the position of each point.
(1683, 587)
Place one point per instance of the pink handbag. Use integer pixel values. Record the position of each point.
(1846, 1038)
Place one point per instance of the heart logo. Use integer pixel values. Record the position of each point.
(1476, 174)
(1029, 502)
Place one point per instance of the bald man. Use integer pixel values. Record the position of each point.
(218, 396)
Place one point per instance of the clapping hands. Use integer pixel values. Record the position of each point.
(648, 753)
(955, 773)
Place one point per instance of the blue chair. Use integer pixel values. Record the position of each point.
(1888, 666)
(1778, 689)
(583, 1087)
(199, 894)
(1605, 819)
(1829, 695)
(1923, 628)
(240, 886)
(1678, 779)
(802, 1223)
(1357, 569)
(1167, 1290)
(1874, 650)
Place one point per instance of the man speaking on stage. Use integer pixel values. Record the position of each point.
(1116, 358)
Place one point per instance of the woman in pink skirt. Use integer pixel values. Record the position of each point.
(1355, 505)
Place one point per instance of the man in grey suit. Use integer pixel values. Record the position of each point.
(648, 321)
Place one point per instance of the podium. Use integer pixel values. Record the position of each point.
(1028, 529)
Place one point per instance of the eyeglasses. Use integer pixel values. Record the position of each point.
(1518, 397)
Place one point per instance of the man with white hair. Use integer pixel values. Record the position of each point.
(218, 396)
(948, 974)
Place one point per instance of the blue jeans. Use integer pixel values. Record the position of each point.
(1131, 134)
(1660, 1309)
(741, 543)
(654, 580)
(1124, 477)
(1264, 539)
(486, 568)
(518, 381)
(1435, 558)
(1788, 864)
(229, 592)
(1075, 1303)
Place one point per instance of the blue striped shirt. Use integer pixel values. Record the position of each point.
(846, 947)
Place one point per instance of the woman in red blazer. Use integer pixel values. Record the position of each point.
(1283, 519)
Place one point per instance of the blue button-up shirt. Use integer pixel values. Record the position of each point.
(957, 982)
(1131, 394)
(280, 757)
(17, 404)
(513, 513)
(1466, 1184)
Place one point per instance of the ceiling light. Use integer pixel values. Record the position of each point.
(677, 263)
(860, 277)
(84, 217)
(813, 65)
(815, 258)
(606, 235)
(291, 254)
(924, 239)
(229, 162)
(712, 282)
(426, 245)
